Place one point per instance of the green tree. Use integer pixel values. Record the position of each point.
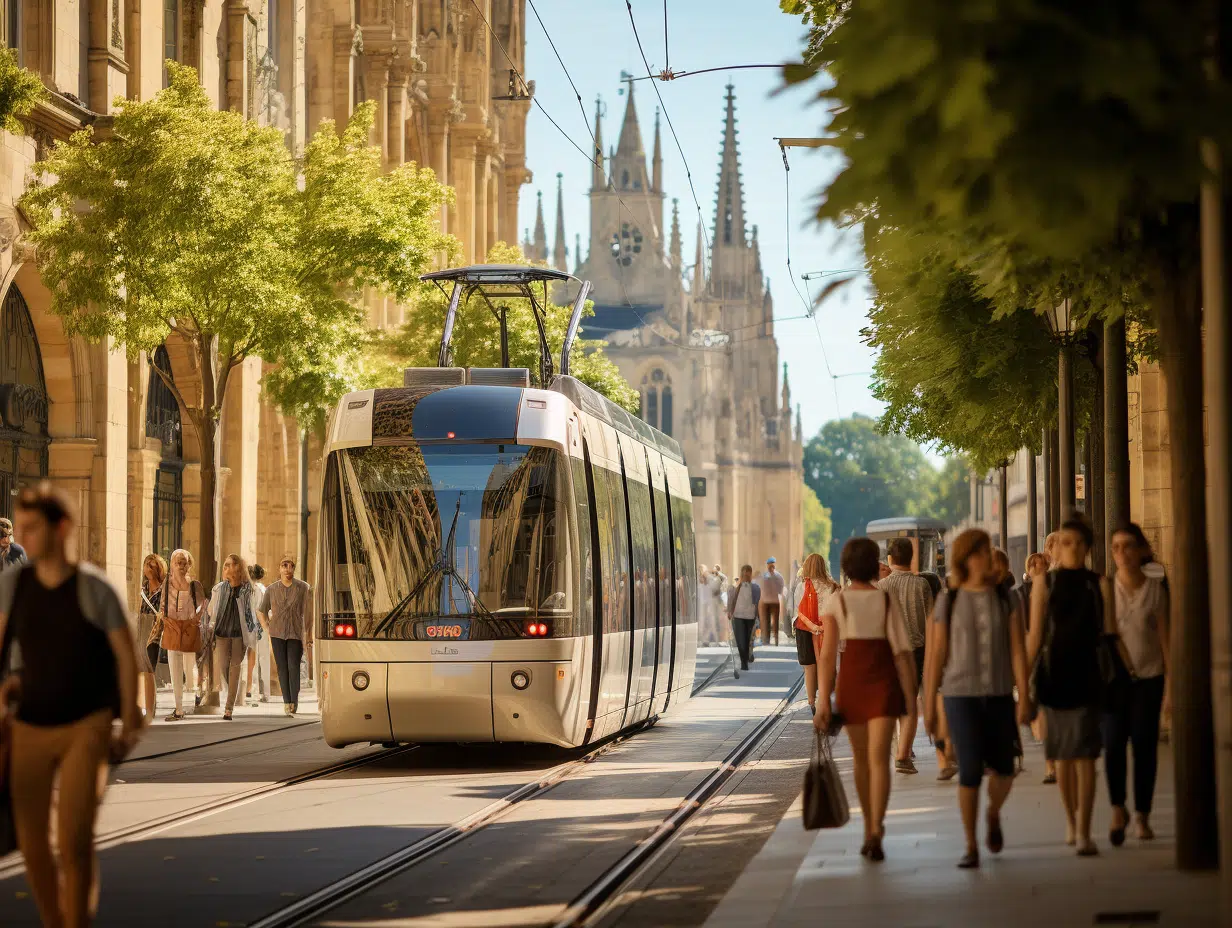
(818, 526)
(476, 338)
(1065, 136)
(863, 474)
(951, 498)
(20, 91)
(197, 224)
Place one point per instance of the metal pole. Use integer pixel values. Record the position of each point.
(1065, 432)
(1046, 463)
(1095, 459)
(504, 329)
(1004, 527)
(1032, 503)
(1116, 431)
(1218, 368)
(1054, 482)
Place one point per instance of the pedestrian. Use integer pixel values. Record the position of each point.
(183, 607)
(1002, 573)
(716, 587)
(1071, 609)
(10, 551)
(875, 683)
(742, 604)
(149, 631)
(231, 625)
(707, 620)
(259, 657)
(815, 586)
(915, 599)
(978, 644)
(771, 606)
(286, 610)
(1142, 604)
(77, 673)
(1039, 726)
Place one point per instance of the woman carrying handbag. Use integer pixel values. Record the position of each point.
(150, 631)
(182, 608)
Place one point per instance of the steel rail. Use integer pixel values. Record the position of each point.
(602, 890)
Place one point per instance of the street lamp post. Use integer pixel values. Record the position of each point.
(1060, 319)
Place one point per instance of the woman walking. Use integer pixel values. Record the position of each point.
(183, 605)
(814, 587)
(259, 657)
(977, 655)
(874, 685)
(1071, 609)
(232, 626)
(149, 631)
(77, 674)
(1142, 620)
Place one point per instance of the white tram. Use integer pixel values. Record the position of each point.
(498, 562)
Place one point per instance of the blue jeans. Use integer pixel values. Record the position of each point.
(984, 732)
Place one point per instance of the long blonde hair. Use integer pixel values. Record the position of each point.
(814, 568)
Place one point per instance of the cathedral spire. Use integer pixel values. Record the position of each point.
(675, 247)
(699, 261)
(577, 256)
(629, 160)
(598, 179)
(799, 425)
(656, 181)
(786, 401)
(729, 217)
(560, 255)
(539, 247)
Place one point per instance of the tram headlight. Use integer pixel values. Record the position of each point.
(520, 679)
(360, 680)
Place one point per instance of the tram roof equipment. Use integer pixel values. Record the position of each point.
(497, 281)
(906, 524)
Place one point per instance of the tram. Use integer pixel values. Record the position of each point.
(927, 540)
(499, 561)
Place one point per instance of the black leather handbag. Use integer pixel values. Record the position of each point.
(825, 799)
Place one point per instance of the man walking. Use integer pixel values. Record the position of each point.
(10, 551)
(742, 604)
(915, 599)
(772, 586)
(286, 610)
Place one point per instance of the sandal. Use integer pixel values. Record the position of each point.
(1050, 778)
(1116, 834)
(176, 716)
(947, 773)
(996, 838)
(970, 861)
(1088, 850)
(226, 717)
(875, 853)
(1145, 832)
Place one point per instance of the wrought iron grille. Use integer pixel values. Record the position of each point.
(24, 404)
(162, 412)
(168, 510)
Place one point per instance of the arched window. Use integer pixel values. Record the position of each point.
(162, 421)
(657, 400)
(23, 401)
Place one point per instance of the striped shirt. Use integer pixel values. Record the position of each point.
(915, 599)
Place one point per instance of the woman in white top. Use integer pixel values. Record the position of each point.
(875, 684)
(1142, 619)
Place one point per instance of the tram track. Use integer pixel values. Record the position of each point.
(151, 827)
(593, 899)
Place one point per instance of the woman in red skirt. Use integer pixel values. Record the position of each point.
(876, 682)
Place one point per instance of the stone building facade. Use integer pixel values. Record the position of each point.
(94, 421)
(697, 342)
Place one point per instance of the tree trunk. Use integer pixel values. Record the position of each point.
(1178, 315)
(207, 555)
(1116, 431)
(1054, 483)
(1095, 460)
(1032, 503)
(1218, 323)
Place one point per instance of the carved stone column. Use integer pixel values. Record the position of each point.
(464, 154)
(237, 56)
(395, 150)
(376, 74)
(107, 69)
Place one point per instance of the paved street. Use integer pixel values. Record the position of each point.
(804, 878)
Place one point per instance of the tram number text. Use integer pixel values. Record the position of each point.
(444, 631)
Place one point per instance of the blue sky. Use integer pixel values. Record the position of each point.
(596, 41)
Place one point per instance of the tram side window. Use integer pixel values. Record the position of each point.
(664, 556)
(618, 614)
(643, 552)
(686, 561)
(585, 603)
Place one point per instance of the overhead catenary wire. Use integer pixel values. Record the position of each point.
(663, 106)
(568, 76)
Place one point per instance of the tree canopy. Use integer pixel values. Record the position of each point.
(476, 338)
(195, 224)
(818, 527)
(20, 91)
(861, 474)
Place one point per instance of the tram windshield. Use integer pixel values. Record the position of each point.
(458, 531)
